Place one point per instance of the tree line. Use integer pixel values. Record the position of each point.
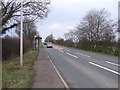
(95, 32)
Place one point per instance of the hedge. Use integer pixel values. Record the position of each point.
(11, 47)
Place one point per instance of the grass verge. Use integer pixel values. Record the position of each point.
(15, 76)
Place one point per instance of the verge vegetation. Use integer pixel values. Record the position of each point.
(15, 76)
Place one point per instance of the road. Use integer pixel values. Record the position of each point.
(83, 69)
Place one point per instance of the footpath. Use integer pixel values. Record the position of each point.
(46, 75)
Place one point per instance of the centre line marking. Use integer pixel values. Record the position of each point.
(68, 50)
(80, 54)
(83, 54)
(86, 55)
(112, 63)
(105, 68)
(60, 50)
(72, 55)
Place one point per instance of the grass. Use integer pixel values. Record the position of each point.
(15, 76)
(41, 45)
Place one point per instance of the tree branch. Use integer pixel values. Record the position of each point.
(5, 29)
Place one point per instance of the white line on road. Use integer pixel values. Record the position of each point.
(65, 84)
(72, 55)
(60, 50)
(112, 63)
(83, 54)
(86, 55)
(80, 54)
(68, 50)
(105, 68)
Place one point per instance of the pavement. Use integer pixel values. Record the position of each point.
(46, 75)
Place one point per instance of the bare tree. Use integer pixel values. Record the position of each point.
(96, 26)
(11, 12)
(29, 29)
(71, 35)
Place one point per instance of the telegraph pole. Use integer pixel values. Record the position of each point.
(21, 36)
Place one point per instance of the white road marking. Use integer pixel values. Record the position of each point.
(65, 84)
(68, 50)
(60, 50)
(105, 68)
(86, 55)
(112, 63)
(72, 55)
(83, 55)
(80, 54)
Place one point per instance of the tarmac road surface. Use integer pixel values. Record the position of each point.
(83, 69)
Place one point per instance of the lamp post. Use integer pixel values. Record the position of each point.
(119, 21)
(21, 37)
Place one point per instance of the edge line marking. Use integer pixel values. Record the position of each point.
(65, 84)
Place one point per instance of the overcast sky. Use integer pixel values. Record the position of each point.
(66, 14)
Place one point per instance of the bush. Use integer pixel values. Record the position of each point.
(11, 47)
